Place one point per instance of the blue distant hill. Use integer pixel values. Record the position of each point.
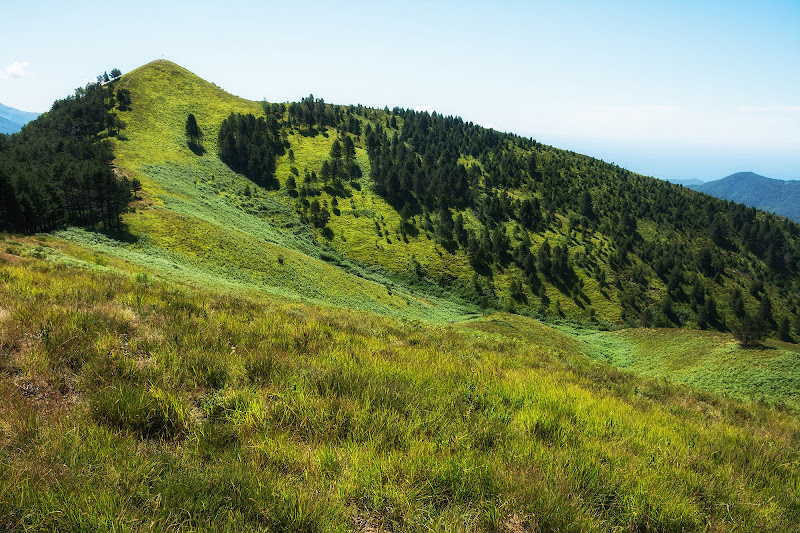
(12, 120)
(686, 182)
(778, 196)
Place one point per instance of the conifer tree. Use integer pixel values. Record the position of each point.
(751, 332)
(783, 329)
(336, 150)
(765, 309)
(193, 130)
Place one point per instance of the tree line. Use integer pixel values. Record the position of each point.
(250, 145)
(440, 167)
(58, 171)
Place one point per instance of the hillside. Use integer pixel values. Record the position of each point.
(767, 194)
(425, 216)
(12, 120)
(687, 182)
(382, 320)
(135, 404)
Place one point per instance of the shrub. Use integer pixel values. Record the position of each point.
(751, 332)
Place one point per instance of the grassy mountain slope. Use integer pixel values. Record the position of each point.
(407, 263)
(224, 365)
(705, 360)
(776, 196)
(195, 222)
(136, 404)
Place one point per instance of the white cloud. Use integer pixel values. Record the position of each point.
(488, 125)
(421, 108)
(14, 70)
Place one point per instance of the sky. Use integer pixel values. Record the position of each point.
(676, 90)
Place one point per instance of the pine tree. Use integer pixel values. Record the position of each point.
(586, 205)
(751, 332)
(349, 149)
(193, 130)
(336, 150)
(291, 185)
(783, 330)
(765, 309)
(736, 303)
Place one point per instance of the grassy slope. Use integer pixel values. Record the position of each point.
(195, 224)
(210, 203)
(705, 360)
(369, 230)
(356, 230)
(134, 404)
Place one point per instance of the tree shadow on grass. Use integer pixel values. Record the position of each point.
(196, 148)
(121, 234)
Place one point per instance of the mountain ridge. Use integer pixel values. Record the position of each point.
(425, 216)
(12, 120)
(779, 196)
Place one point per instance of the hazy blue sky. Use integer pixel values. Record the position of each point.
(673, 89)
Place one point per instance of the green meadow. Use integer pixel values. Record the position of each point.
(137, 404)
(705, 360)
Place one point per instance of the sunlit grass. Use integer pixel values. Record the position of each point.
(133, 403)
(705, 360)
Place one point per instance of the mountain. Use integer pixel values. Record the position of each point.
(767, 194)
(317, 317)
(415, 214)
(12, 120)
(686, 182)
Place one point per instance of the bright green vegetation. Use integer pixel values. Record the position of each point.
(705, 360)
(200, 222)
(308, 355)
(425, 216)
(134, 404)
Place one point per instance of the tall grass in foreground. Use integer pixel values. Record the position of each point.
(135, 405)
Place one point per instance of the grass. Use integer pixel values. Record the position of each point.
(133, 404)
(705, 360)
(186, 194)
(198, 195)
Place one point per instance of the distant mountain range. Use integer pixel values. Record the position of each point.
(12, 120)
(778, 196)
(686, 182)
